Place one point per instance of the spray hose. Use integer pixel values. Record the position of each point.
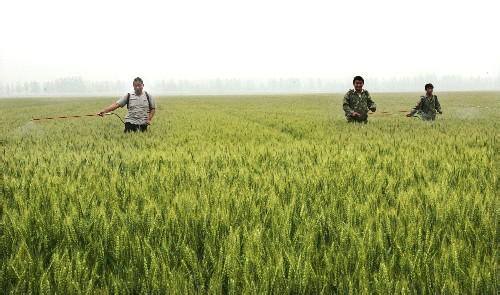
(76, 116)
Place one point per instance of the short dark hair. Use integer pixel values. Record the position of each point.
(358, 78)
(138, 79)
(429, 85)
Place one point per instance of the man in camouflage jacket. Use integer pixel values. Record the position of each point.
(357, 102)
(428, 105)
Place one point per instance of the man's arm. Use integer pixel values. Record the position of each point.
(438, 106)
(108, 109)
(152, 108)
(347, 107)
(416, 108)
(118, 104)
(151, 114)
(371, 104)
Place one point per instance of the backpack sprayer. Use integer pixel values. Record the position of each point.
(76, 116)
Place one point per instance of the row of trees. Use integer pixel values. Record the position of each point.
(79, 86)
(71, 86)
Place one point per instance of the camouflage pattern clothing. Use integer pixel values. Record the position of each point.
(426, 108)
(360, 103)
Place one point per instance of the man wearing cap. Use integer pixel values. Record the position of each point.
(357, 102)
(427, 106)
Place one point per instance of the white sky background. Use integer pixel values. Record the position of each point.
(187, 39)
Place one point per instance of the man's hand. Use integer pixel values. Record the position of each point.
(148, 122)
(355, 114)
(108, 109)
(440, 112)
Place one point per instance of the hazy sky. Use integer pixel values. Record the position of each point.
(118, 40)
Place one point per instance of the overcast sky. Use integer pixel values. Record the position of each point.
(118, 40)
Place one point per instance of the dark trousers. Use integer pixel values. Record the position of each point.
(129, 127)
(360, 119)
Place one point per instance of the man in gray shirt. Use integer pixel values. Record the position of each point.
(140, 105)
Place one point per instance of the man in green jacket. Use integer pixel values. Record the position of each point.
(427, 106)
(357, 102)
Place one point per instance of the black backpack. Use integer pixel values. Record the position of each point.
(147, 96)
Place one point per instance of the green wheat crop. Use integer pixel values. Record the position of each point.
(250, 194)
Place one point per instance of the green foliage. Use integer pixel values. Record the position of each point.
(254, 194)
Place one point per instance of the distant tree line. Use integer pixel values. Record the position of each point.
(80, 86)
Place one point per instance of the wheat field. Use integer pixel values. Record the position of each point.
(250, 194)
